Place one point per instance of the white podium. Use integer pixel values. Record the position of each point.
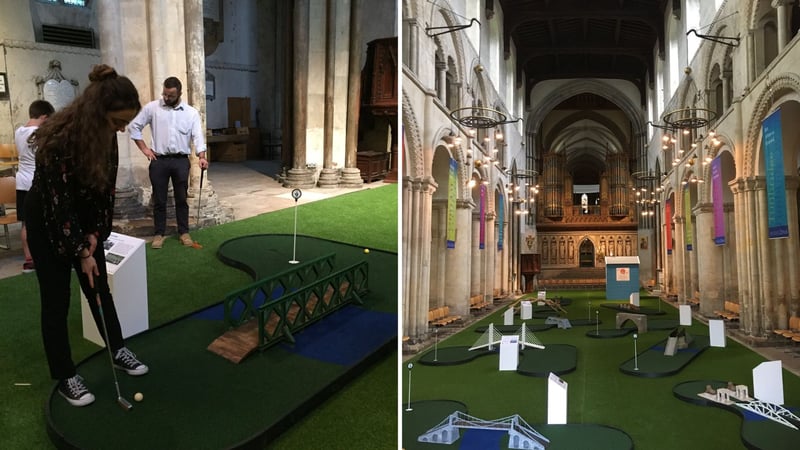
(127, 277)
(685, 315)
(509, 352)
(508, 317)
(556, 400)
(526, 311)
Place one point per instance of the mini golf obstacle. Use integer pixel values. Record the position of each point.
(273, 309)
(492, 337)
(520, 434)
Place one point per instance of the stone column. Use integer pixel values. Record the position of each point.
(413, 45)
(749, 312)
(441, 77)
(408, 213)
(489, 254)
(418, 193)
(792, 250)
(329, 177)
(679, 259)
(782, 7)
(710, 260)
(475, 255)
(765, 275)
(112, 52)
(299, 175)
(458, 263)
(439, 267)
(196, 79)
(749, 41)
(351, 175)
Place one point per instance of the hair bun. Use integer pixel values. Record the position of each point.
(102, 72)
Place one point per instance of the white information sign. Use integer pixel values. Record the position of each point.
(509, 352)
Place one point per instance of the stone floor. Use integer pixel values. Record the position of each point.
(249, 188)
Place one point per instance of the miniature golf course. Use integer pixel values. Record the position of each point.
(620, 388)
(194, 398)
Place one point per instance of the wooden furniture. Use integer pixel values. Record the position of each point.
(9, 158)
(373, 165)
(529, 266)
(379, 92)
(8, 207)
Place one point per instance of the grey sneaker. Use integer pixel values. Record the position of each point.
(126, 360)
(75, 391)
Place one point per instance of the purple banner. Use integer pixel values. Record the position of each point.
(718, 200)
(482, 243)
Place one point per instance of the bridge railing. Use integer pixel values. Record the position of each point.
(279, 319)
(241, 305)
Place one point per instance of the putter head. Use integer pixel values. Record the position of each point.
(124, 404)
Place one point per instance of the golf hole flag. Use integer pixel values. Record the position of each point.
(776, 183)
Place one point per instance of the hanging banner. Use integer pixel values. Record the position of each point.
(668, 220)
(687, 218)
(501, 207)
(718, 201)
(776, 180)
(482, 243)
(452, 196)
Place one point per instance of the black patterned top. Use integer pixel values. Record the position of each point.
(72, 210)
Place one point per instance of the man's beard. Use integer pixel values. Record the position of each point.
(173, 103)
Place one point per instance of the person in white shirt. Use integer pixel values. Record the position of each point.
(38, 112)
(175, 126)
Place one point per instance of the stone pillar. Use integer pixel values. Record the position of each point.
(329, 177)
(679, 259)
(413, 45)
(782, 7)
(476, 253)
(410, 321)
(764, 297)
(489, 255)
(710, 260)
(749, 41)
(351, 176)
(441, 77)
(726, 88)
(792, 250)
(418, 193)
(299, 175)
(112, 52)
(458, 263)
(439, 268)
(749, 313)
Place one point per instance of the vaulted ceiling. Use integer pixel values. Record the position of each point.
(585, 38)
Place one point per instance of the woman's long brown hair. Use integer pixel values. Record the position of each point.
(81, 132)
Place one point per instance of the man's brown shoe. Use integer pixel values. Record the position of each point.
(186, 240)
(158, 241)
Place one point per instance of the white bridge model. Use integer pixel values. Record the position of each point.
(740, 397)
(520, 434)
(492, 337)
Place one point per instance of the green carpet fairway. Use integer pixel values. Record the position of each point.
(598, 392)
(182, 280)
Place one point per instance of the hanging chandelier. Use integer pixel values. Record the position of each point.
(688, 118)
(480, 117)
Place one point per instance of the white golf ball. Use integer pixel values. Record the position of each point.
(138, 396)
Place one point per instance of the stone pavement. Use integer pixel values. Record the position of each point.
(249, 188)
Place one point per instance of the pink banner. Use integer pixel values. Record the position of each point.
(668, 222)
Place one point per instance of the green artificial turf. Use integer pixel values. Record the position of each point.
(598, 392)
(182, 280)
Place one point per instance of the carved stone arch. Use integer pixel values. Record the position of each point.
(601, 89)
(753, 18)
(457, 152)
(784, 85)
(413, 140)
(726, 145)
(456, 42)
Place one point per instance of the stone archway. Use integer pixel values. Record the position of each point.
(586, 253)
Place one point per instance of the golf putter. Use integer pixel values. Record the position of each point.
(124, 404)
(196, 244)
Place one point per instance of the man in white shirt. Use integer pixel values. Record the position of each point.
(175, 126)
(38, 112)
